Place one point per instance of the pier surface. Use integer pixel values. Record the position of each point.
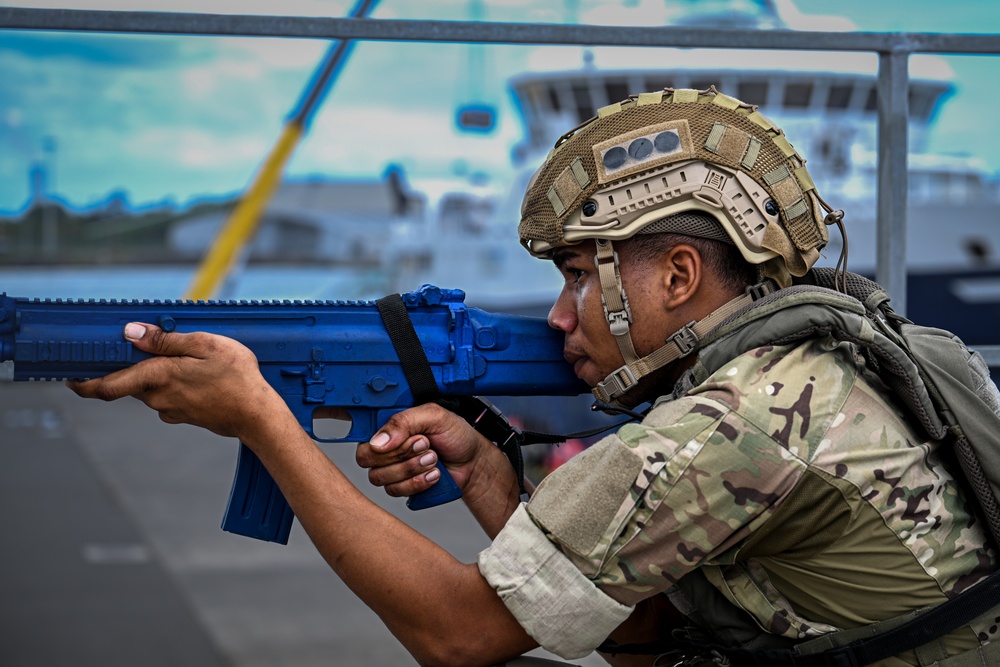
(113, 555)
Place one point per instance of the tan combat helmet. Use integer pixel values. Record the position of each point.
(670, 161)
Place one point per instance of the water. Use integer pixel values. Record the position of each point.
(171, 282)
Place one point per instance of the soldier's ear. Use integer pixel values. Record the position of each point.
(680, 272)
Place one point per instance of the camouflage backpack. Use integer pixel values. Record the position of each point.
(944, 386)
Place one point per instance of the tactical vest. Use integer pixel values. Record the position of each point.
(947, 390)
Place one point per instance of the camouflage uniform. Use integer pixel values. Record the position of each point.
(788, 481)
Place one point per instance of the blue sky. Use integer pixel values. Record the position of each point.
(181, 118)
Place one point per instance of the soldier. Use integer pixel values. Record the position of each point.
(770, 496)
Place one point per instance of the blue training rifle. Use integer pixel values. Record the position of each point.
(370, 359)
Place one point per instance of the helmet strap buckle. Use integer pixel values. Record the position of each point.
(616, 384)
(613, 298)
(618, 320)
(685, 339)
(760, 290)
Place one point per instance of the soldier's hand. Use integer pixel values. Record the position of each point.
(197, 378)
(402, 456)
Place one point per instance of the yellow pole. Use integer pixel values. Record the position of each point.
(243, 222)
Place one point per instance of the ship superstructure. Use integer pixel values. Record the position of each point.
(825, 101)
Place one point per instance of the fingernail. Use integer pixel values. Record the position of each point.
(134, 331)
(432, 475)
(380, 440)
(420, 445)
(427, 459)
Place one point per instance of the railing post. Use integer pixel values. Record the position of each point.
(893, 119)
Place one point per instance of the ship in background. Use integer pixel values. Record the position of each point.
(825, 101)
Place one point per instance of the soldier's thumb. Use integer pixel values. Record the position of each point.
(153, 339)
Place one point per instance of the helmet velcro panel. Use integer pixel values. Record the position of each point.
(650, 98)
(567, 186)
(686, 96)
(734, 145)
(641, 150)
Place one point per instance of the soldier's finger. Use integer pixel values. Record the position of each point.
(426, 419)
(153, 339)
(369, 457)
(413, 485)
(404, 470)
(144, 377)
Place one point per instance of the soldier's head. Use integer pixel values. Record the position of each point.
(675, 202)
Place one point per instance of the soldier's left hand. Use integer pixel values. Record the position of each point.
(196, 378)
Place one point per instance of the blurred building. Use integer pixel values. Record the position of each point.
(316, 220)
(306, 221)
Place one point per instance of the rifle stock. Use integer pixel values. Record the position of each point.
(316, 355)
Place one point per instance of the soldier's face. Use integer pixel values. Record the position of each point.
(589, 346)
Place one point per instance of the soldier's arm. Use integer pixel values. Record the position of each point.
(443, 611)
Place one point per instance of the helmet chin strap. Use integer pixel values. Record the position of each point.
(679, 344)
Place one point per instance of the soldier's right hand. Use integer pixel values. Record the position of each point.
(401, 457)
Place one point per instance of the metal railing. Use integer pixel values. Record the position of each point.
(893, 50)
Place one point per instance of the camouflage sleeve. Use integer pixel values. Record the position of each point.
(552, 600)
(642, 508)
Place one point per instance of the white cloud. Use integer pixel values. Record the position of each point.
(199, 114)
(196, 148)
(199, 82)
(277, 53)
(202, 82)
(646, 12)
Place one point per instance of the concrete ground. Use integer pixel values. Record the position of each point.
(112, 552)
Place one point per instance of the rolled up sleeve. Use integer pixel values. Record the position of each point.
(553, 601)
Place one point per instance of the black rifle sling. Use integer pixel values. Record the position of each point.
(487, 419)
(408, 348)
(479, 412)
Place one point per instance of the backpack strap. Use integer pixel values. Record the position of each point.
(855, 647)
(891, 637)
(800, 312)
